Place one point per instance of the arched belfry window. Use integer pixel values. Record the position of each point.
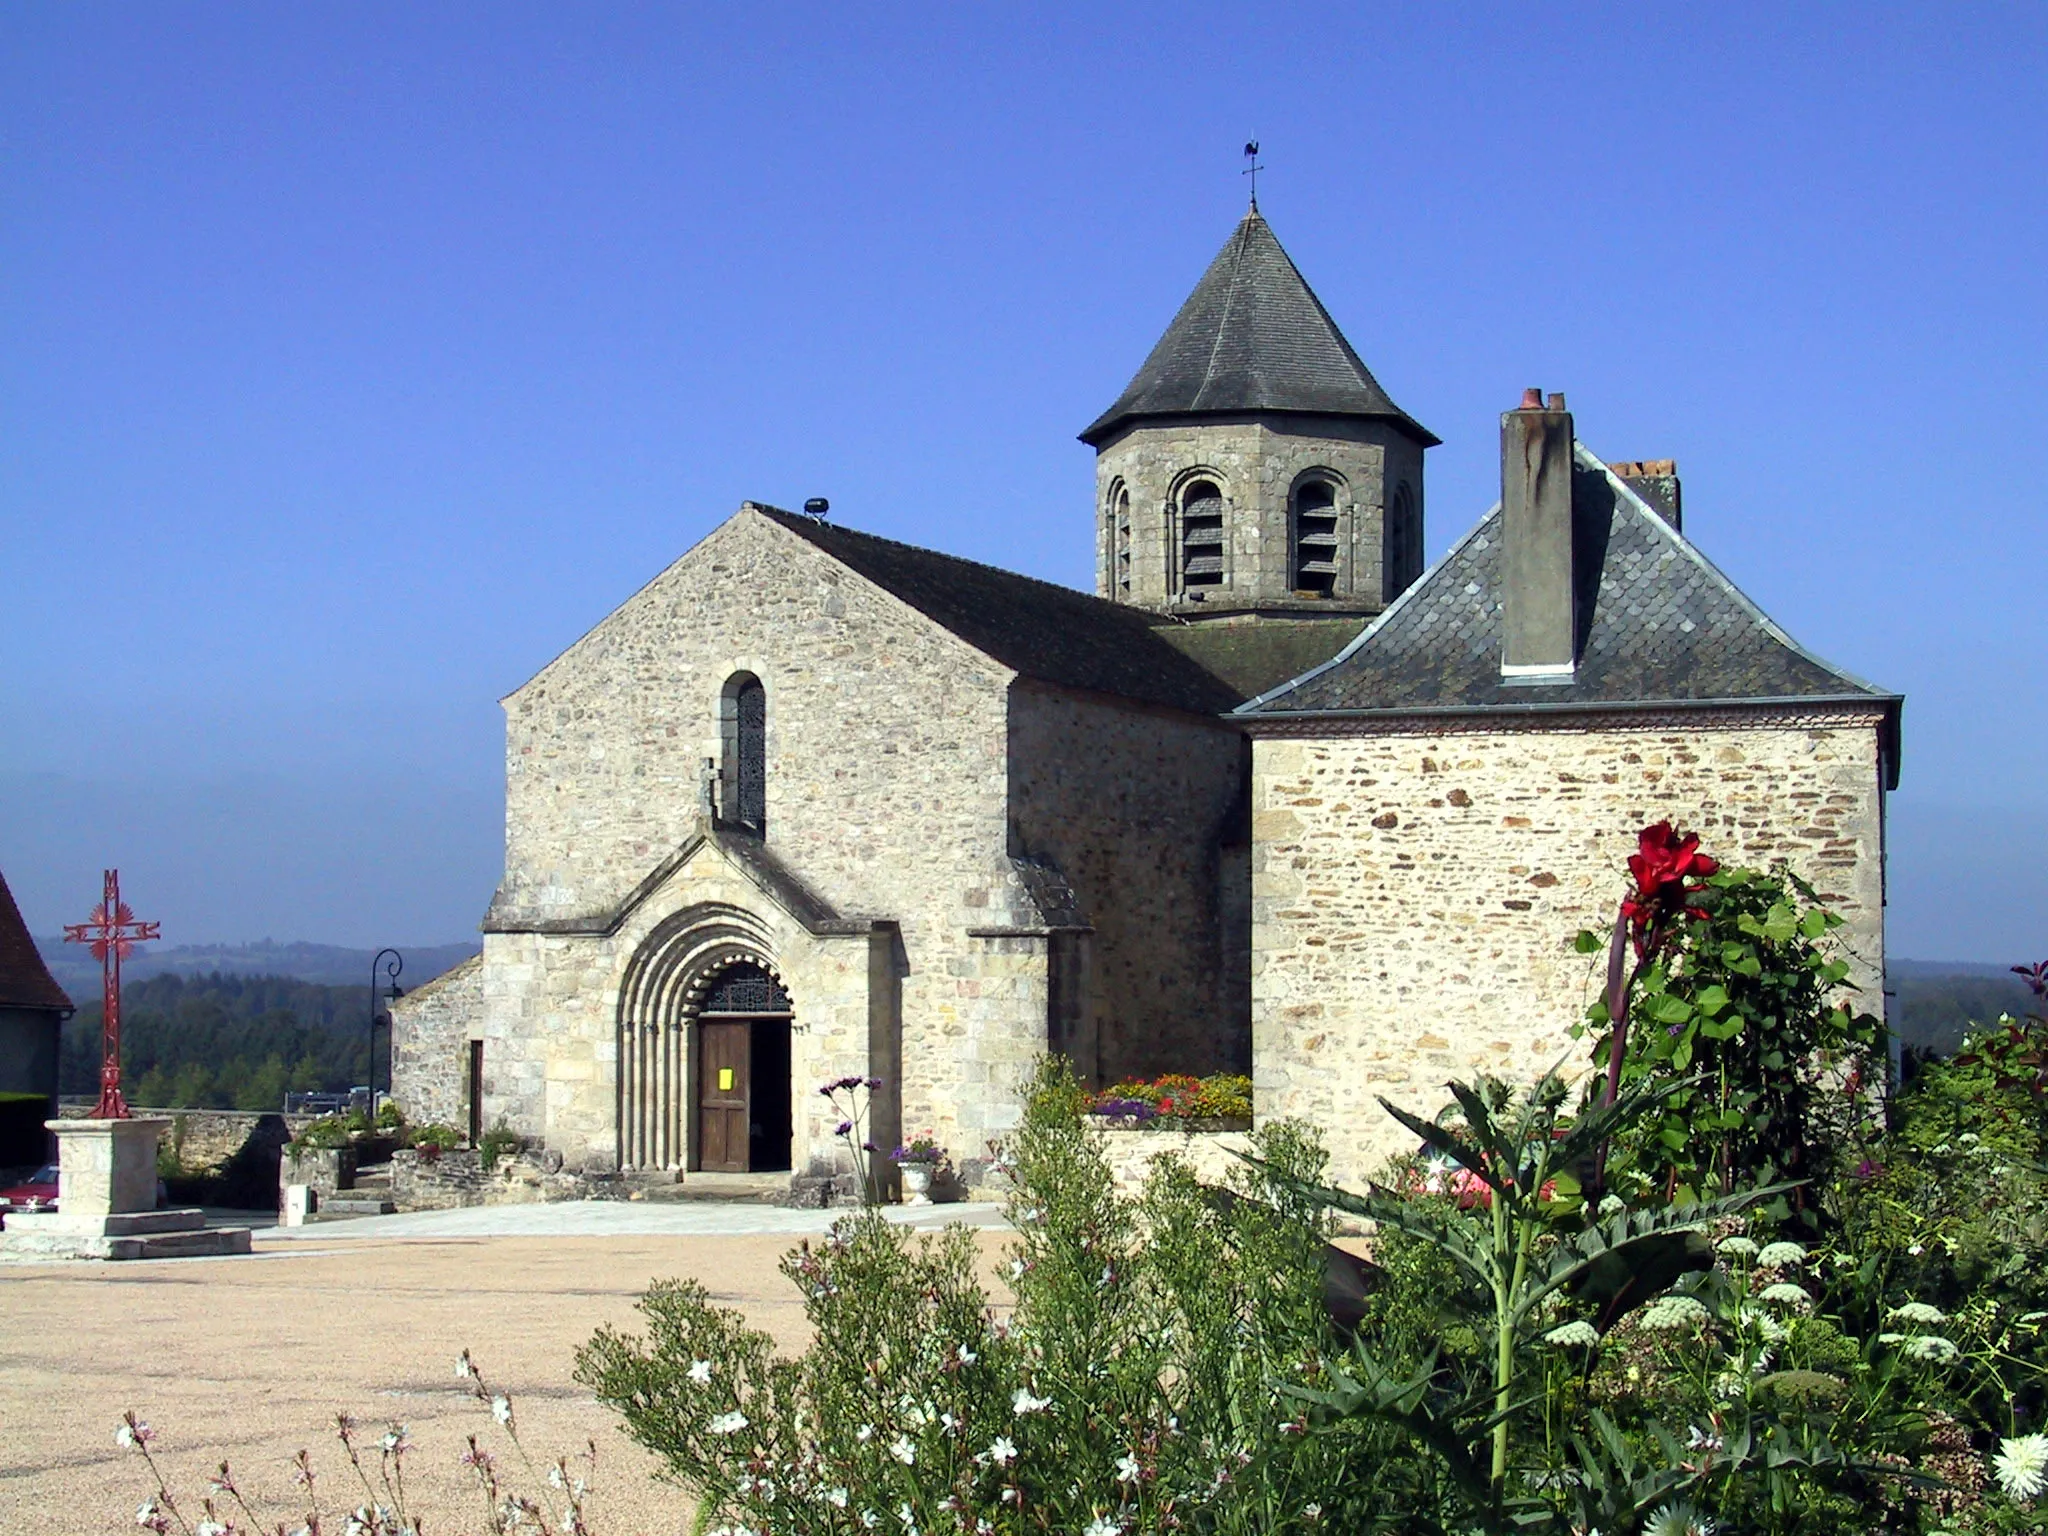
(1315, 537)
(743, 731)
(1201, 536)
(1120, 542)
(1402, 561)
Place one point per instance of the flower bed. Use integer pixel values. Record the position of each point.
(1177, 1102)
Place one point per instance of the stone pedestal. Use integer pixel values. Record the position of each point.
(106, 1202)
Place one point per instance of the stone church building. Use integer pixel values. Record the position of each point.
(816, 803)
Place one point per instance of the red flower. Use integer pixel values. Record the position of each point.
(1661, 865)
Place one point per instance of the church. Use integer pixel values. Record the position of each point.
(814, 803)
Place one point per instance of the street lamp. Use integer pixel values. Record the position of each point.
(391, 969)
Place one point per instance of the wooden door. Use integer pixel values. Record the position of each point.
(724, 1062)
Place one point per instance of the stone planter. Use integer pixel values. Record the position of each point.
(324, 1170)
(917, 1183)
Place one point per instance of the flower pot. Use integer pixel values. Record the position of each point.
(917, 1183)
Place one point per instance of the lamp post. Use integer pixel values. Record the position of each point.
(391, 969)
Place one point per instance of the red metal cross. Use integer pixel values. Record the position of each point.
(113, 933)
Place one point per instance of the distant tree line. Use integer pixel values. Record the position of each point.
(226, 1041)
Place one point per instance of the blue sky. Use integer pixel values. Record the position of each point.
(356, 359)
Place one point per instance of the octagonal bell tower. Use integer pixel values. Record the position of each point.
(1254, 465)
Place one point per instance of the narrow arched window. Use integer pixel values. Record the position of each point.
(1315, 538)
(1120, 544)
(1402, 561)
(1201, 536)
(743, 730)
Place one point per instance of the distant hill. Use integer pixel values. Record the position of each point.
(1939, 999)
(327, 965)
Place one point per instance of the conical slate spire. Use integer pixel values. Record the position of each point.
(1253, 337)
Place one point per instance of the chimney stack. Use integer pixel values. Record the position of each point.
(1538, 597)
(1656, 481)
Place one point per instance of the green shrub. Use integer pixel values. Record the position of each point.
(1129, 1388)
(499, 1142)
(441, 1137)
(330, 1132)
(390, 1117)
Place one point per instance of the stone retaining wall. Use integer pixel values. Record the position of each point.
(1131, 1153)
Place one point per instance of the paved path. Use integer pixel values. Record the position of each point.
(620, 1218)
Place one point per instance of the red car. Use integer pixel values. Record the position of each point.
(37, 1192)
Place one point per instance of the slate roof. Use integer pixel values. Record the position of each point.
(1252, 657)
(1253, 337)
(25, 982)
(1051, 633)
(1658, 624)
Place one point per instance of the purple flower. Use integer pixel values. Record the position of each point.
(1868, 1170)
(2036, 976)
(869, 1146)
(845, 1128)
(873, 1084)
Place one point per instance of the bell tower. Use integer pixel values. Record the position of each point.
(1254, 465)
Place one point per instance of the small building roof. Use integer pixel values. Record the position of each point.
(1051, 633)
(1657, 624)
(25, 982)
(1253, 337)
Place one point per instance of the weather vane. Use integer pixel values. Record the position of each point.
(1252, 169)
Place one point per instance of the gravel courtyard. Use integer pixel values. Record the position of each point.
(248, 1359)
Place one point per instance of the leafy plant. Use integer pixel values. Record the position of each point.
(1738, 997)
(498, 1143)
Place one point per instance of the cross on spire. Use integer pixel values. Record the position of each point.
(113, 932)
(1252, 169)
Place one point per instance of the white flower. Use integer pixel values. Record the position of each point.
(1312, 1512)
(394, 1440)
(1736, 1248)
(967, 1356)
(147, 1513)
(1915, 1250)
(1680, 1519)
(1917, 1312)
(1127, 1468)
(1672, 1313)
(209, 1528)
(904, 1451)
(1776, 1255)
(1001, 1450)
(1102, 1525)
(865, 1433)
(700, 1372)
(870, 1519)
(1023, 1402)
(1017, 1268)
(1930, 1346)
(837, 1497)
(1576, 1334)
(1785, 1294)
(1756, 1317)
(728, 1423)
(1697, 1439)
(947, 1422)
(501, 1408)
(124, 1437)
(464, 1367)
(2022, 1466)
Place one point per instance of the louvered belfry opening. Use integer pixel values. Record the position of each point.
(1403, 562)
(1201, 536)
(1120, 518)
(1315, 538)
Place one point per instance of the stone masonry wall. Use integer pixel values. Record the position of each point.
(886, 796)
(431, 1028)
(1256, 467)
(1131, 805)
(1416, 892)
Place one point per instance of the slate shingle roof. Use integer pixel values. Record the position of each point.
(1253, 337)
(1048, 632)
(1657, 624)
(25, 982)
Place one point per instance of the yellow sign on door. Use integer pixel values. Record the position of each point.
(725, 1079)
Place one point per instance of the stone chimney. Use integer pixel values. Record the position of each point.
(1538, 599)
(1656, 481)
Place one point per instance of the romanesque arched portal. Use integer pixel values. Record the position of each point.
(703, 1042)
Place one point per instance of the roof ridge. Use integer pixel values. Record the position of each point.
(799, 524)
